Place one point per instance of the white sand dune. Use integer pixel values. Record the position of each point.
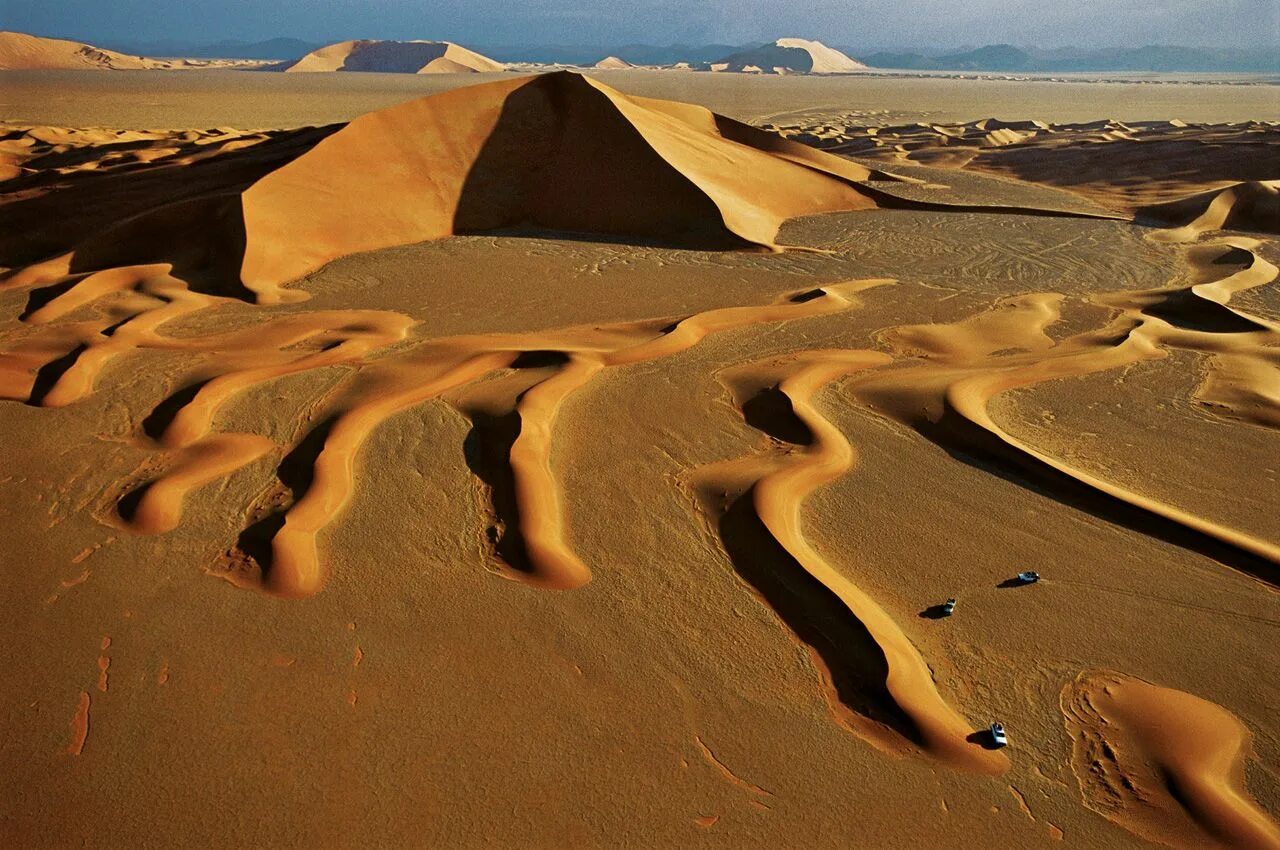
(790, 56)
(613, 63)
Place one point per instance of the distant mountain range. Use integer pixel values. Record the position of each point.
(1006, 57)
(1001, 58)
(274, 48)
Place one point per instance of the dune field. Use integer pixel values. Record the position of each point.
(585, 460)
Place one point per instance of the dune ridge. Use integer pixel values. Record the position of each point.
(395, 57)
(1164, 764)
(22, 52)
(1147, 168)
(692, 177)
(790, 56)
(764, 494)
(947, 401)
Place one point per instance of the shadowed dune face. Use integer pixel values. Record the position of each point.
(557, 151)
(394, 57)
(791, 55)
(1149, 167)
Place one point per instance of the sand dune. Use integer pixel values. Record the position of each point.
(19, 51)
(790, 56)
(1134, 167)
(22, 52)
(689, 177)
(393, 57)
(612, 63)
(1164, 764)
(1253, 206)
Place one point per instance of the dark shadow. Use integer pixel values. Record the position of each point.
(934, 612)
(562, 158)
(1184, 309)
(296, 472)
(539, 359)
(128, 505)
(811, 295)
(154, 213)
(983, 738)
(973, 445)
(487, 451)
(771, 411)
(1013, 582)
(47, 376)
(816, 615)
(162, 415)
(42, 296)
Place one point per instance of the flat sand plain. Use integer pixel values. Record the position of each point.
(562, 503)
(260, 100)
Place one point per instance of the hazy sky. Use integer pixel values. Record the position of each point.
(857, 23)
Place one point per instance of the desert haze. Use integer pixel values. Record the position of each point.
(423, 450)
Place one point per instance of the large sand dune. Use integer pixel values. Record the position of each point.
(538, 464)
(393, 57)
(790, 56)
(22, 52)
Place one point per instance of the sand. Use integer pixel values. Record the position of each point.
(538, 463)
(23, 52)
(790, 56)
(393, 57)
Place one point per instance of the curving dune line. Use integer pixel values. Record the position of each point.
(877, 683)
(295, 568)
(1165, 765)
(1252, 205)
(947, 401)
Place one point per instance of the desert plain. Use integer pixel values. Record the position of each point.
(585, 459)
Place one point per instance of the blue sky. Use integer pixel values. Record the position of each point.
(859, 23)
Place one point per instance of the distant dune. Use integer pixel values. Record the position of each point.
(394, 57)
(790, 56)
(613, 63)
(23, 52)
(19, 51)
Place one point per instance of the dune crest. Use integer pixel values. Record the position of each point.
(394, 57)
(558, 151)
(1252, 206)
(1164, 764)
(613, 63)
(876, 682)
(22, 52)
(790, 56)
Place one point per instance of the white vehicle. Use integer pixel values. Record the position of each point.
(948, 607)
(1029, 577)
(998, 736)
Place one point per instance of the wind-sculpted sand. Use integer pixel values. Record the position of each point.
(730, 415)
(757, 502)
(1164, 764)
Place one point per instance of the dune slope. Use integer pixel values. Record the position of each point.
(557, 151)
(19, 51)
(393, 57)
(790, 56)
